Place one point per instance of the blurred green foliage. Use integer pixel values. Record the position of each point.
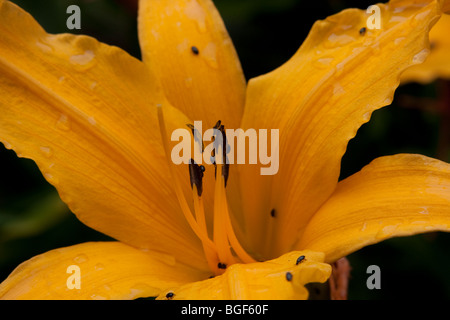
(266, 33)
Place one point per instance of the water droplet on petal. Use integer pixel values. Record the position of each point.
(63, 123)
(50, 178)
(81, 258)
(92, 121)
(45, 47)
(93, 85)
(82, 59)
(399, 40)
(7, 145)
(323, 63)
(210, 55)
(340, 68)
(196, 12)
(188, 82)
(99, 267)
(338, 89)
(335, 40)
(47, 151)
(421, 56)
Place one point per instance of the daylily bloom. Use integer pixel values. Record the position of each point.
(97, 122)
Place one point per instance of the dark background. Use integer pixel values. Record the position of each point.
(266, 33)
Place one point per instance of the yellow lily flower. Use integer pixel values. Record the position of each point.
(96, 121)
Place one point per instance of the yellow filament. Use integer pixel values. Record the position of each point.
(241, 253)
(220, 233)
(211, 254)
(201, 233)
(224, 238)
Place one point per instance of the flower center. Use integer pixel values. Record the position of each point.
(224, 249)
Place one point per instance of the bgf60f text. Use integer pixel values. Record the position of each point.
(246, 309)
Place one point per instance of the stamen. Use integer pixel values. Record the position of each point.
(197, 136)
(211, 255)
(221, 215)
(196, 176)
(201, 234)
(220, 233)
(241, 253)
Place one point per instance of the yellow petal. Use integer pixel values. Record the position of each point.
(262, 280)
(318, 100)
(437, 64)
(393, 196)
(208, 85)
(106, 270)
(86, 113)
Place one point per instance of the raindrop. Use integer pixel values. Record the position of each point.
(47, 151)
(93, 85)
(335, 40)
(399, 40)
(46, 48)
(50, 178)
(81, 258)
(323, 63)
(92, 121)
(338, 89)
(63, 123)
(210, 55)
(188, 82)
(82, 59)
(99, 267)
(421, 56)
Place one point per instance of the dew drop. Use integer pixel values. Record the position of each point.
(82, 59)
(335, 40)
(99, 267)
(81, 258)
(397, 19)
(364, 226)
(47, 151)
(421, 56)
(99, 297)
(399, 40)
(338, 89)
(93, 85)
(92, 121)
(7, 145)
(46, 48)
(323, 63)
(386, 231)
(50, 178)
(210, 56)
(188, 82)
(195, 12)
(63, 123)
(61, 79)
(340, 68)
